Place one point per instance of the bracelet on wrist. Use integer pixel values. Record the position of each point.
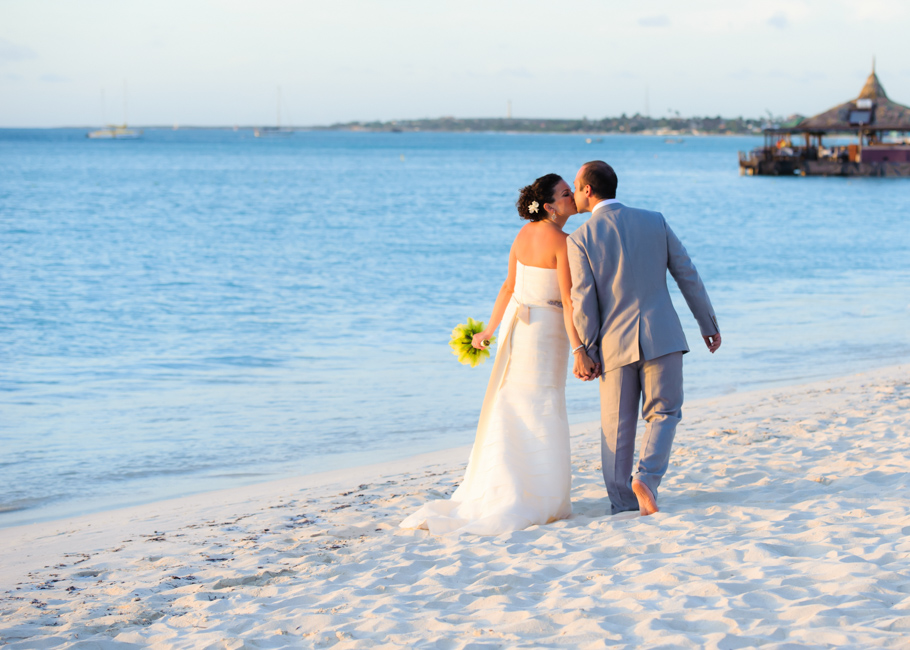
(580, 347)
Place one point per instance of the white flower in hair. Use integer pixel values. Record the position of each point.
(533, 207)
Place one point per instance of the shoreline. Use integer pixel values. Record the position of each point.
(341, 465)
(789, 500)
(339, 476)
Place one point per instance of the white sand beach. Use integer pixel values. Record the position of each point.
(785, 523)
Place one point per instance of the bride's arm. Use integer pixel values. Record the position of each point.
(499, 307)
(584, 366)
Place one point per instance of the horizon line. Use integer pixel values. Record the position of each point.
(340, 125)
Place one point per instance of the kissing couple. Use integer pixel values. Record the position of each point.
(601, 295)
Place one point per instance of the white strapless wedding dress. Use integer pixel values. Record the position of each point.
(519, 472)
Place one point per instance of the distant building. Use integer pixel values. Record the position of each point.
(877, 126)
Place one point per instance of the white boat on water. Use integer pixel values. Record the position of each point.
(112, 131)
(278, 130)
(115, 133)
(269, 131)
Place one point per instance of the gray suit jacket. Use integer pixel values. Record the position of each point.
(619, 261)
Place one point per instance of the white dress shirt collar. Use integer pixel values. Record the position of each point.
(603, 203)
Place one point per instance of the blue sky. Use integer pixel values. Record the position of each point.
(208, 62)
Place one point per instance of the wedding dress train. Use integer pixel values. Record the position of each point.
(519, 472)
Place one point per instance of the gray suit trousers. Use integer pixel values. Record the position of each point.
(657, 385)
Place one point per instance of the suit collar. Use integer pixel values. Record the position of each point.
(608, 205)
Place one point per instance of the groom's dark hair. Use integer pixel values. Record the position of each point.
(601, 177)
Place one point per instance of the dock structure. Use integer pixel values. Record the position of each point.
(870, 134)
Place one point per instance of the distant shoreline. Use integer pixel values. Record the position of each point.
(622, 125)
(323, 129)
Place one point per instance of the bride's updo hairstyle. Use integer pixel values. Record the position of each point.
(540, 191)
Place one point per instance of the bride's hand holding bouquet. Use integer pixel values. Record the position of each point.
(471, 342)
(482, 340)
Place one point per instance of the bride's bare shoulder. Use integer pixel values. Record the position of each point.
(525, 233)
(552, 234)
(539, 244)
(540, 231)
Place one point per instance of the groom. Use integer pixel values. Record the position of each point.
(619, 261)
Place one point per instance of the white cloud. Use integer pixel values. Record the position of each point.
(778, 20)
(661, 20)
(10, 52)
(54, 78)
(745, 17)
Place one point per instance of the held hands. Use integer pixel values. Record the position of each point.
(584, 368)
(713, 342)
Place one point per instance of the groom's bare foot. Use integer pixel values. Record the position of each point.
(646, 503)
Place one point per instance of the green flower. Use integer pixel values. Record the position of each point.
(461, 346)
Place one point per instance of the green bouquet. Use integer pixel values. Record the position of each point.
(461, 346)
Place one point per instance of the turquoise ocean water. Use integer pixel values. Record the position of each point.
(204, 309)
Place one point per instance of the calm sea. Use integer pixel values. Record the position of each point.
(202, 309)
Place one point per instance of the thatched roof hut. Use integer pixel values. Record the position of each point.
(871, 111)
(870, 117)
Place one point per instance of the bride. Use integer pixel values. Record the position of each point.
(519, 472)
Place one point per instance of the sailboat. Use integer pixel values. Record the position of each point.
(114, 132)
(269, 131)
